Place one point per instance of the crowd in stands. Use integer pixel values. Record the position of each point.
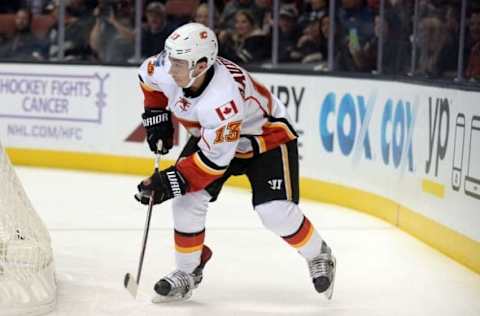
(103, 31)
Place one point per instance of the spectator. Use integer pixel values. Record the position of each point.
(201, 15)
(288, 32)
(315, 11)
(396, 45)
(426, 8)
(356, 18)
(403, 10)
(340, 45)
(231, 8)
(448, 13)
(78, 25)
(395, 50)
(156, 29)
(325, 30)
(451, 19)
(473, 65)
(262, 13)
(246, 44)
(432, 39)
(356, 35)
(112, 37)
(312, 46)
(23, 45)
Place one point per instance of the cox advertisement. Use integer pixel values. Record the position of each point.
(416, 145)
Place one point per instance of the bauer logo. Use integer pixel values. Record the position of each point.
(53, 97)
(346, 126)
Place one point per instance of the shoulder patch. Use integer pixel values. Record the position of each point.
(160, 58)
(183, 104)
(150, 68)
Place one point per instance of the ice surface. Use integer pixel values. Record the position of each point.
(96, 228)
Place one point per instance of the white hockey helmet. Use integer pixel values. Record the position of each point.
(192, 42)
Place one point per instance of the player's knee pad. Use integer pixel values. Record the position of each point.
(189, 211)
(281, 217)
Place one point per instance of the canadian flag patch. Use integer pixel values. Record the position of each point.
(227, 110)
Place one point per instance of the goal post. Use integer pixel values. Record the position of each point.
(27, 278)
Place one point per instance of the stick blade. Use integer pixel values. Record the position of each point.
(130, 284)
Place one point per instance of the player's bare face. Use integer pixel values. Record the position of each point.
(179, 71)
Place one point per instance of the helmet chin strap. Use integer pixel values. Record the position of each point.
(192, 78)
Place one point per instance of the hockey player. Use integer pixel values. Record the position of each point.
(237, 127)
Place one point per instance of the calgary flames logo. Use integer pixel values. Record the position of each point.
(183, 104)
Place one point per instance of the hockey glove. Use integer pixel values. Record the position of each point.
(158, 125)
(166, 184)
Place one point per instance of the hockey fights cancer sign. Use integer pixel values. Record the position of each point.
(51, 106)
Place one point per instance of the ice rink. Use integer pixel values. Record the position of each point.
(96, 228)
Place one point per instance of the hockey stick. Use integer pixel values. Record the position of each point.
(130, 283)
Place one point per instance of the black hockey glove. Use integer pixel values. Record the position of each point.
(167, 184)
(158, 125)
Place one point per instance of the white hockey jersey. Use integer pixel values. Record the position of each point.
(234, 116)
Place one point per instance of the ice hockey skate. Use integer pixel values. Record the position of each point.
(179, 285)
(322, 270)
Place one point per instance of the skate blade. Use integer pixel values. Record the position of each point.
(130, 284)
(159, 299)
(329, 292)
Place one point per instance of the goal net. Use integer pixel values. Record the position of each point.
(27, 281)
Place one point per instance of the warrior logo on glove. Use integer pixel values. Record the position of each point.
(158, 126)
(166, 184)
(154, 120)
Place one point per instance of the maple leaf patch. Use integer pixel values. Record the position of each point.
(227, 110)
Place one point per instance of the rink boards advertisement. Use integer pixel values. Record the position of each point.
(83, 109)
(415, 146)
(85, 117)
